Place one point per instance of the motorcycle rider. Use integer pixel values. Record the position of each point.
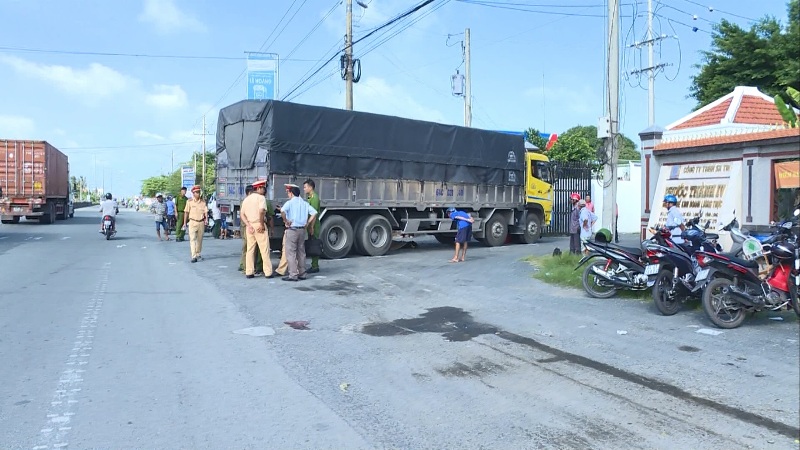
(674, 218)
(108, 207)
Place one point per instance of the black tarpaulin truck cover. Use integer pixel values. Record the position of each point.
(312, 141)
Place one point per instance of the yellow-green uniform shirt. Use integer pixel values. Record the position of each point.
(180, 205)
(313, 200)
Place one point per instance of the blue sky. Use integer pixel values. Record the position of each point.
(121, 118)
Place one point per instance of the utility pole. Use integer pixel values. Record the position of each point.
(468, 82)
(610, 166)
(348, 57)
(652, 67)
(203, 164)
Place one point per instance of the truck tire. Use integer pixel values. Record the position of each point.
(64, 213)
(336, 234)
(359, 224)
(495, 231)
(49, 213)
(374, 235)
(532, 231)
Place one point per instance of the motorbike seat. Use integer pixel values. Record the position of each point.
(712, 236)
(744, 262)
(632, 250)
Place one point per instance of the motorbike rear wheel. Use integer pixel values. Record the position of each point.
(591, 281)
(108, 233)
(720, 308)
(666, 303)
(795, 296)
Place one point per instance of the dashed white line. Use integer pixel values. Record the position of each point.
(60, 412)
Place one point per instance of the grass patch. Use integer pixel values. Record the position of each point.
(560, 271)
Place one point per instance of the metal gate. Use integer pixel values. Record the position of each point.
(571, 177)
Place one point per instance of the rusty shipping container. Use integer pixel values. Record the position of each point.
(34, 179)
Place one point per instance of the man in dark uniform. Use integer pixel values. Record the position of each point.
(180, 207)
(313, 200)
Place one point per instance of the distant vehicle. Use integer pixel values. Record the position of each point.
(35, 180)
(380, 176)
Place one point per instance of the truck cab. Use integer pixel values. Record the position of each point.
(539, 181)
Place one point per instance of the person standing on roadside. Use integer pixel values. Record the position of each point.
(196, 217)
(587, 219)
(464, 233)
(589, 204)
(159, 210)
(299, 217)
(172, 223)
(313, 199)
(283, 264)
(254, 212)
(180, 208)
(216, 214)
(248, 190)
(575, 225)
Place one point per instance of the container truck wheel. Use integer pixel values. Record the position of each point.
(495, 231)
(64, 213)
(532, 231)
(49, 213)
(337, 237)
(374, 235)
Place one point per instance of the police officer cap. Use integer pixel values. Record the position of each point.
(259, 184)
(291, 185)
(196, 188)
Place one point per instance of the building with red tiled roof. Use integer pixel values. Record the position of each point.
(732, 157)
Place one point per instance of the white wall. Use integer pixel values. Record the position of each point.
(629, 198)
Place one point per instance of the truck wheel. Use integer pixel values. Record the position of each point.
(337, 237)
(495, 231)
(63, 215)
(14, 219)
(445, 238)
(359, 224)
(49, 213)
(532, 231)
(374, 235)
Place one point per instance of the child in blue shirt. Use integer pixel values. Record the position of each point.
(464, 233)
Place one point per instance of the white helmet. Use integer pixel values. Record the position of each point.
(159, 194)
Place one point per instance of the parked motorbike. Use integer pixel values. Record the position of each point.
(766, 278)
(678, 275)
(617, 267)
(108, 228)
(738, 235)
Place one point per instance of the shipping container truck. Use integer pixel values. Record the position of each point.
(34, 179)
(380, 177)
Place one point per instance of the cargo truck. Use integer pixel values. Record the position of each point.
(380, 177)
(34, 179)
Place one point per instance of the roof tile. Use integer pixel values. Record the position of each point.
(710, 117)
(729, 139)
(756, 110)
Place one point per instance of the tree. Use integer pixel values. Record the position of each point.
(766, 56)
(532, 136)
(581, 143)
(172, 183)
(153, 185)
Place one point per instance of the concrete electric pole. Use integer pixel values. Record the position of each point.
(611, 152)
(652, 67)
(203, 174)
(348, 57)
(467, 82)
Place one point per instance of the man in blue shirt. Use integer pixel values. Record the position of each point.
(298, 217)
(464, 233)
(674, 218)
(171, 218)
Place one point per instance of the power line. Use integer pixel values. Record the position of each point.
(382, 40)
(133, 55)
(535, 11)
(286, 24)
(386, 24)
(308, 35)
(692, 27)
(263, 44)
(712, 9)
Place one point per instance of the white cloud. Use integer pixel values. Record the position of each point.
(141, 134)
(16, 127)
(378, 96)
(166, 17)
(94, 81)
(167, 96)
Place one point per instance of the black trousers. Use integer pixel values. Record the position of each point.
(575, 242)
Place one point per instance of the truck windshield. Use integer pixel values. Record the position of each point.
(541, 170)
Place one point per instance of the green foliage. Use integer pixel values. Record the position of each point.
(79, 187)
(532, 136)
(581, 143)
(766, 56)
(171, 183)
(560, 271)
(787, 112)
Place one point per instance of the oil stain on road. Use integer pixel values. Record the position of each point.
(457, 325)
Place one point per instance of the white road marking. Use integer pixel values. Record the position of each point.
(65, 238)
(709, 331)
(3, 237)
(60, 412)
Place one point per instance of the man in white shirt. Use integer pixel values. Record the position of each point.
(108, 207)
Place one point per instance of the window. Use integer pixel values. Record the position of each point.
(541, 170)
(786, 195)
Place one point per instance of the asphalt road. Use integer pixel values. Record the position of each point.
(126, 344)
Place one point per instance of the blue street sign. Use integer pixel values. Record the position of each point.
(187, 178)
(262, 76)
